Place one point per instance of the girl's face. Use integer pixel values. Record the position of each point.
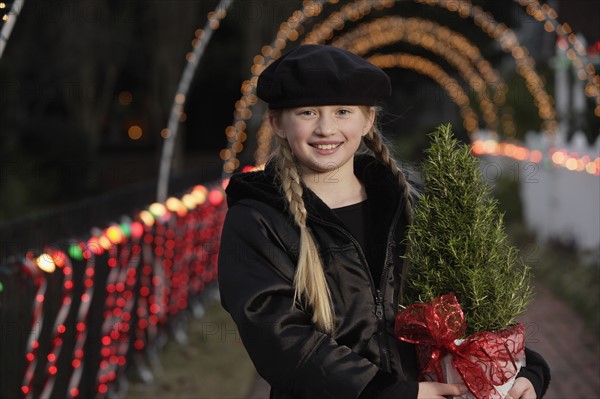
(324, 138)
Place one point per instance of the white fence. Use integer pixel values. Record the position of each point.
(562, 204)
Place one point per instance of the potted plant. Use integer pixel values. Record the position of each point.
(466, 284)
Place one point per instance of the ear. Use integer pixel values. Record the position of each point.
(274, 121)
(370, 120)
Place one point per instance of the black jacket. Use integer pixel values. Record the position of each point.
(257, 262)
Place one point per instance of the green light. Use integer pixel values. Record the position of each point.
(75, 252)
(126, 229)
(1, 287)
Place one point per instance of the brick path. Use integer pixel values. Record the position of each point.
(554, 330)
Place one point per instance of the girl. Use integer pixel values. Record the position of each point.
(310, 257)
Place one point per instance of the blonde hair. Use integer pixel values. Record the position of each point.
(309, 280)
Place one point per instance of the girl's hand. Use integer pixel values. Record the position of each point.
(522, 389)
(438, 390)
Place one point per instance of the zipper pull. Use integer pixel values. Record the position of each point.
(379, 305)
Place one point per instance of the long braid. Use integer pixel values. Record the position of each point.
(309, 280)
(374, 141)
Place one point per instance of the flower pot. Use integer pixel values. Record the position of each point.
(499, 373)
(486, 362)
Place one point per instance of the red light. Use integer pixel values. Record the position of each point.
(30, 357)
(138, 344)
(59, 258)
(154, 308)
(68, 285)
(102, 388)
(81, 328)
(215, 197)
(94, 246)
(78, 353)
(112, 262)
(105, 352)
(106, 340)
(52, 370)
(39, 298)
(61, 329)
(74, 391)
(85, 297)
(137, 230)
(76, 363)
(35, 344)
(51, 357)
(143, 324)
(25, 389)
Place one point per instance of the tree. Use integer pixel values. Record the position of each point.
(457, 241)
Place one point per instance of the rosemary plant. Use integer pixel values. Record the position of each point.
(457, 241)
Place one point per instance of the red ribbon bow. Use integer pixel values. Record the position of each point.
(483, 360)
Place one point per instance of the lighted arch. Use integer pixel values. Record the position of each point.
(509, 44)
(355, 11)
(432, 70)
(499, 32)
(435, 38)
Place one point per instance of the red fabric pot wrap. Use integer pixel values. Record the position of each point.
(484, 360)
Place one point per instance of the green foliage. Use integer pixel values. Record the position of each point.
(457, 241)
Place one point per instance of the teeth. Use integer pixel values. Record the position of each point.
(326, 146)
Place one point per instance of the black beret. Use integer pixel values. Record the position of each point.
(314, 74)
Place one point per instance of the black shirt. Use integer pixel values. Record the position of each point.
(356, 219)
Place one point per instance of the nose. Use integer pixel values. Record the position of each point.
(326, 125)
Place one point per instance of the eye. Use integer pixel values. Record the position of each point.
(344, 111)
(306, 112)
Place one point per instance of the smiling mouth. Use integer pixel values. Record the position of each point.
(326, 146)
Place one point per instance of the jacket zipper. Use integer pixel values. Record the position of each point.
(378, 292)
(381, 291)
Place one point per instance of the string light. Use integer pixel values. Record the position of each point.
(78, 353)
(120, 305)
(31, 348)
(558, 157)
(59, 327)
(575, 50)
(451, 46)
(424, 66)
(177, 114)
(510, 44)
